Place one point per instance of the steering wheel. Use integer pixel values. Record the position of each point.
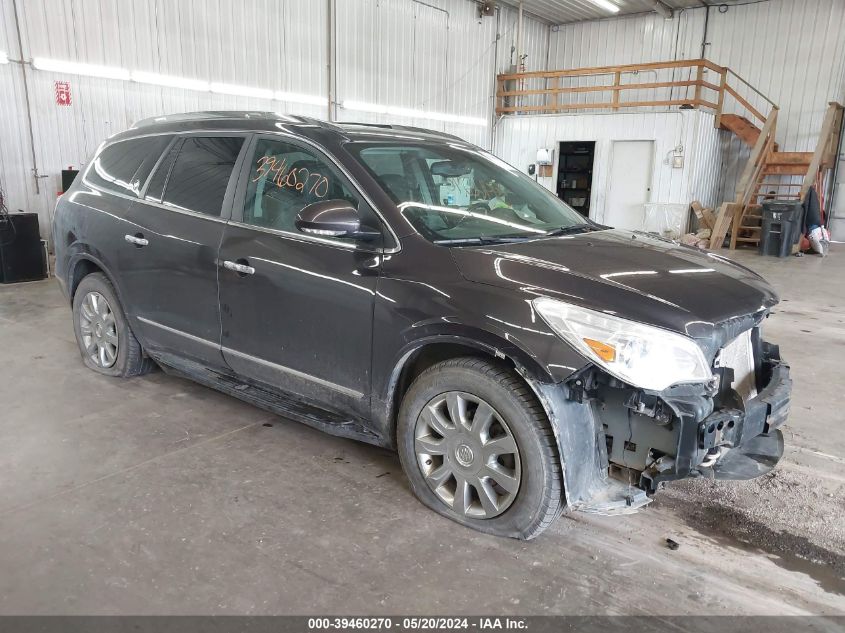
(479, 208)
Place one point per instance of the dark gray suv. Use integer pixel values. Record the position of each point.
(404, 288)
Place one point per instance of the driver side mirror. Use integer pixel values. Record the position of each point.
(333, 218)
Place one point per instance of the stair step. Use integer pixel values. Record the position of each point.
(786, 170)
(745, 227)
(747, 132)
(748, 240)
(789, 158)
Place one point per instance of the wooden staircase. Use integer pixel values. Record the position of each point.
(771, 174)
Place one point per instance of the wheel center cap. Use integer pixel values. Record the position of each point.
(98, 330)
(464, 455)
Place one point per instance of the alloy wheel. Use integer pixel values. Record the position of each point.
(98, 329)
(467, 454)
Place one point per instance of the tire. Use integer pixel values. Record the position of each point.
(112, 331)
(538, 498)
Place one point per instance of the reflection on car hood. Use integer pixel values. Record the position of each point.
(633, 275)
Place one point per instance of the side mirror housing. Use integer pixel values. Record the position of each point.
(333, 218)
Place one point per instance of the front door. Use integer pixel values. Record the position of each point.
(629, 184)
(170, 277)
(300, 318)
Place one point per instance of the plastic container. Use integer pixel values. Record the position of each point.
(781, 227)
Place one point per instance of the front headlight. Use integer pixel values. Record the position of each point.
(640, 355)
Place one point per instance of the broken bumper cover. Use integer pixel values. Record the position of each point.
(748, 442)
(615, 452)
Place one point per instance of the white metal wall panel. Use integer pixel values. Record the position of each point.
(793, 52)
(431, 56)
(518, 138)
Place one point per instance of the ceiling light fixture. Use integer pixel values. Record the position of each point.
(75, 68)
(606, 5)
(169, 81)
(412, 113)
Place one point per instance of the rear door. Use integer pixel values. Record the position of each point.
(171, 281)
(301, 320)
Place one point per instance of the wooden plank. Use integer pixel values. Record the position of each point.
(555, 95)
(617, 77)
(720, 104)
(609, 70)
(821, 146)
(601, 88)
(744, 103)
(720, 229)
(791, 158)
(699, 77)
(590, 106)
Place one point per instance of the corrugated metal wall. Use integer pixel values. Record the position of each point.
(519, 137)
(436, 55)
(793, 52)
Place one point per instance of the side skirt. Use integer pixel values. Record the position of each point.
(289, 406)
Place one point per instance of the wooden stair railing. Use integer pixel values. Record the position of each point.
(731, 213)
(745, 219)
(768, 171)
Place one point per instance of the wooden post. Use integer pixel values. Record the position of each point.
(721, 101)
(500, 99)
(555, 84)
(821, 148)
(617, 79)
(699, 77)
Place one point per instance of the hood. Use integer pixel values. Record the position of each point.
(632, 275)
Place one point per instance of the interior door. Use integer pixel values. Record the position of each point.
(171, 272)
(629, 186)
(296, 309)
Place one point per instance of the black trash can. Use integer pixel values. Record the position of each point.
(781, 228)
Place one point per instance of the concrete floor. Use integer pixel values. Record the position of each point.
(158, 496)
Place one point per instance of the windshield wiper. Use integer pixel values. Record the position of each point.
(482, 240)
(575, 228)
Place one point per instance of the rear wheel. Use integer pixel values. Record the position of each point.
(477, 448)
(105, 339)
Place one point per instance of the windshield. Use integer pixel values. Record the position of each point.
(452, 193)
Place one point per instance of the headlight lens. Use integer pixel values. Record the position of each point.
(641, 355)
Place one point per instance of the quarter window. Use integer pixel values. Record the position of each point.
(123, 167)
(284, 178)
(200, 175)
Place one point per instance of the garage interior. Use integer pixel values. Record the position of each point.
(156, 495)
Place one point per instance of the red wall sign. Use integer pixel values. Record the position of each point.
(63, 93)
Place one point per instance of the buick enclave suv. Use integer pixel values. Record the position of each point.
(405, 288)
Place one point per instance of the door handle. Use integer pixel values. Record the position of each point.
(241, 269)
(137, 240)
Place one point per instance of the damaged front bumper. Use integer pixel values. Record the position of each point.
(619, 444)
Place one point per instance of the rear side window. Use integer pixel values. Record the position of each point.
(200, 175)
(156, 187)
(123, 167)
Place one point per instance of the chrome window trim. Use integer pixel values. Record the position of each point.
(305, 238)
(355, 184)
(293, 372)
(308, 238)
(161, 205)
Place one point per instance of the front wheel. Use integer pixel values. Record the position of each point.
(477, 447)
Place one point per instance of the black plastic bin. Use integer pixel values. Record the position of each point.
(781, 227)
